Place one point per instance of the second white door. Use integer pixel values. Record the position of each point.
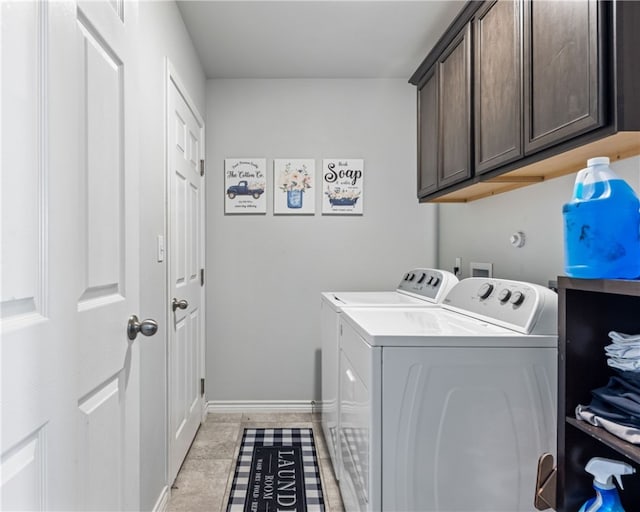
(185, 130)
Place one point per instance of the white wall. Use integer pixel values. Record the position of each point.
(480, 230)
(265, 272)
(162, 34)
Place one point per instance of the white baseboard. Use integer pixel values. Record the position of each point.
(163, 500)
(262, 406)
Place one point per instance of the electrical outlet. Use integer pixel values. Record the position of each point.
(457, 266)
(477, 269)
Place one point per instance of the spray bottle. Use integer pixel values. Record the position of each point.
(607, 499)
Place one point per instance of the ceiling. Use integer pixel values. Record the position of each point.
(315, 38)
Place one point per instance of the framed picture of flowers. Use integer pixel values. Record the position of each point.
(294, 186)
(245, 183)
(342, 186)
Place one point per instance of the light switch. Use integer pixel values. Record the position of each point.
(160, 248)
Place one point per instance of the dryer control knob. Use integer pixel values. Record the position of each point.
(435, 281)
(517, 298)
(422, 278)
(485, 290)
(504, 295)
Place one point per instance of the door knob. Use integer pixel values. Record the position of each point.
(179, 304)
(147, 327)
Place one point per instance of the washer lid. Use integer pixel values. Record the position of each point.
(434, 327)
(348, 299)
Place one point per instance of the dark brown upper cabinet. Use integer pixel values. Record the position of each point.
(497, 84)
(563, 71)
(428, 134)
(547, 85)
(454, 115)
(444, 118)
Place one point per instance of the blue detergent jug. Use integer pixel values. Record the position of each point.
(602, 225)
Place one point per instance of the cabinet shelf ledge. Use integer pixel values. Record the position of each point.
(629, 450)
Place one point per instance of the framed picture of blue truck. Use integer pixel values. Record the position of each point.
(245, 183)
(342, 186)
(243, 188)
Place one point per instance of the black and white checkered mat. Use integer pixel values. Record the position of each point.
(266, 478)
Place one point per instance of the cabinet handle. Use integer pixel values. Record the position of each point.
(350, 376)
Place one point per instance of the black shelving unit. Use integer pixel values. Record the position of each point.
(588, 310)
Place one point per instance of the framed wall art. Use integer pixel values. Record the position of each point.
(245, 185)
(294, 186)
(342, 186)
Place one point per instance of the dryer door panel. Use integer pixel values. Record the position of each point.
(329, 329)
(354, 436)
(463, 428)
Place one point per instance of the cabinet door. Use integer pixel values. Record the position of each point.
(454, 118)
(497, 83)
(563, 70)
(428, 135)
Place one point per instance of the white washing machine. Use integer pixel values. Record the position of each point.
(448, 409)
(421, 287)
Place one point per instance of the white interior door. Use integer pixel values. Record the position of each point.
(107, 257)
(186, 255)
(70, 424)
(38, 359)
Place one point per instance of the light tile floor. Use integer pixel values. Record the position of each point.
(204, 480)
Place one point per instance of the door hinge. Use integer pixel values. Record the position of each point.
(201, 167)
(202, 386)
(201, 277)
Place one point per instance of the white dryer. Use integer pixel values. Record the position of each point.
(448, 409)
(421, 287)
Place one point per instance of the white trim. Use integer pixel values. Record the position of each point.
(261, 406)
(163, 500)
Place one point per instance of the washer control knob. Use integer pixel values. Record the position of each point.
(436, 281)
(422, 278)
(517, 298)
(406, 277)
(504, 295)
(485, 290)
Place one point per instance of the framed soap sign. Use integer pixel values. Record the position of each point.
(342, 186)
(245, 183)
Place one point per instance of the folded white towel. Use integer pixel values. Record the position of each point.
(621, 338)
(629, 365)
(623, 351)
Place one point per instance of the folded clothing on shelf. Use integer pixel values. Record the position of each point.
(623, 339)
(624, 351)
(629, 434)
(616, 406)
(620, 363)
